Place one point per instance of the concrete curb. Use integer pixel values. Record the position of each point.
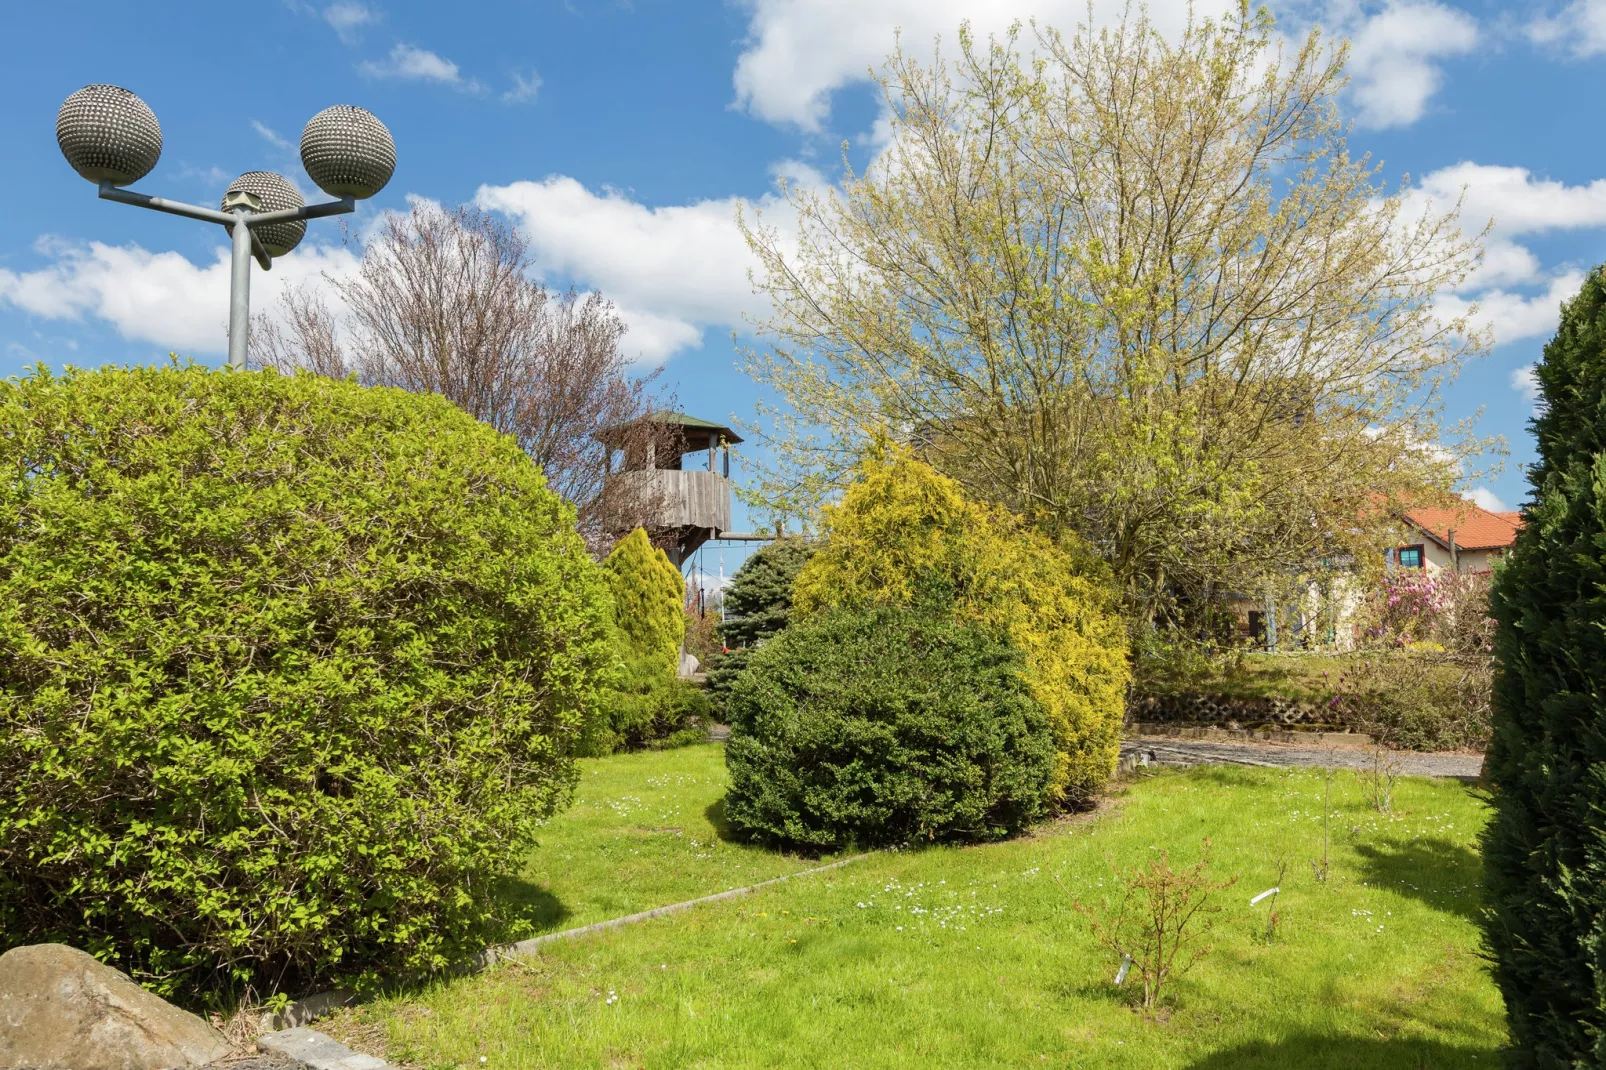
(526, 948)
(310, 1048)
(306, 1010)
(302, 1011)
(1248, 735)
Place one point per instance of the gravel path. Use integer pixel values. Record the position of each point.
(1463, 767)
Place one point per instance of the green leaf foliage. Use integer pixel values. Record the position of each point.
(757, 604)
(641, 706)
(848, 729)
(290, 670)
(1545, 851)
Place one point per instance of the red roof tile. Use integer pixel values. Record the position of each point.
(1475, 528)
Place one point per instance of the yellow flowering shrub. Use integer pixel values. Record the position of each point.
(905, 534)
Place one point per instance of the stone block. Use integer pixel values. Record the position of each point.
(61, 1009)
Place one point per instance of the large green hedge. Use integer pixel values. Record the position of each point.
(885, 725)
(1545, 848)
(290, 670)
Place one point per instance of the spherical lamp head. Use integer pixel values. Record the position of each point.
(275, 193)
(108, 135)
(348, 152)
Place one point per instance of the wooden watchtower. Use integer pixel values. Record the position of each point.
(663, 470)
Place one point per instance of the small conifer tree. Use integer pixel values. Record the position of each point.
(1545, 849)
(648, 599)
(647, 701)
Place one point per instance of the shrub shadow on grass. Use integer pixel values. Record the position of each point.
(529, 909)
(1438, 873)
(1348, 1053)
(715, 813)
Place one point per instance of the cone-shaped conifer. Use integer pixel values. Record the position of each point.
(1545, 849)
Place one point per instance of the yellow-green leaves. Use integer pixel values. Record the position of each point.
(1130, 285)
(649, 597)
(906, 535)
(290, 669)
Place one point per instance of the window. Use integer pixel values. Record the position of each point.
(1410, 556)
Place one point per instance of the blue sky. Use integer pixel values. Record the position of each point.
(621, 136)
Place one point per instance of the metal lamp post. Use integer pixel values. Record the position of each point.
(112, 138)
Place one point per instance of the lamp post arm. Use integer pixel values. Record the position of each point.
(311, 211)
(260, 251)
(109, 192)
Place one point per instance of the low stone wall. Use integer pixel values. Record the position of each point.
(1207, 709)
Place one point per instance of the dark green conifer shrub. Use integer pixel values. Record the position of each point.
(885, 725)
(289, 674)
(1545, 849)
(757, 605)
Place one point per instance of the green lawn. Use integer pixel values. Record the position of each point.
(644, 830)
(973, 957)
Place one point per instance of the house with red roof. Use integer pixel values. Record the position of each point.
(1462, 538)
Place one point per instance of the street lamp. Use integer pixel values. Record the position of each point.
(112, 138)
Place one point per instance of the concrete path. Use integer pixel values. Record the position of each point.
(1153, 751)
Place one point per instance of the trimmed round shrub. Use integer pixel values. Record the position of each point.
(290, 670)
(904, 534)
(889, 726)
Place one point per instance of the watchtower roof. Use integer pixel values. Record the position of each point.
(693, 429)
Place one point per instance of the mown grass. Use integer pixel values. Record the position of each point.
(974, 957)
(645, 829)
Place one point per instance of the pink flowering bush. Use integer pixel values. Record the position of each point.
(1425, 678)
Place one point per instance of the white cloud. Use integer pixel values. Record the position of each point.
(1526, 384)
(672, 271)
(1518, 201)
(347, 18)
(407, 63)
(1580, 27)
(799, 52)
(524, 88)
(1394, 54)
(1517, 297)
(158, 298)
(271, 136)
(1484, 498)
(1514, 316)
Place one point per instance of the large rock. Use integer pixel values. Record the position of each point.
(62, 1010)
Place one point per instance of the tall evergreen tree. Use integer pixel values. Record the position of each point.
(758, 604)
(1545, 849)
